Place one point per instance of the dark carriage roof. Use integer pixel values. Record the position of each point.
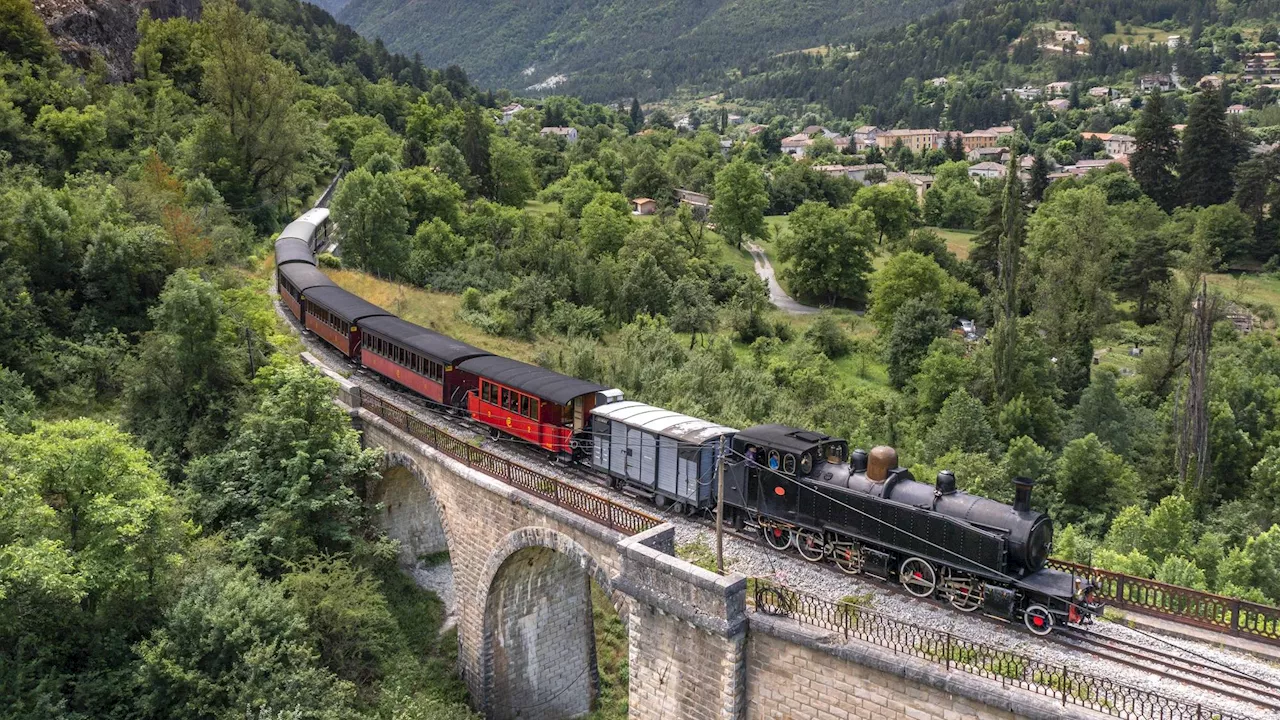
(546, 384)
(428, 342)
(344, 304)
(305, 277)
(783, 437)
(293, 250)
(304, 228)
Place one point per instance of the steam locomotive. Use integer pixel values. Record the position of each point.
(800, 489)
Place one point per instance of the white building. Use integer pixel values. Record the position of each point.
(510, 111)
(989, 170)
(568, 133)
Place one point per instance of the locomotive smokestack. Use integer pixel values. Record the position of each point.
(882, 460)
(1022, 493)
(946, 483)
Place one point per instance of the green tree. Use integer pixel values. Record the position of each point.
(474, 143)
(1148, 266)
(370, 210)
(430, 196)
(72, 131)
(1208, 154)
(17, 402)
(285, 487)
(829, 252)
(436, 247)
(1253, 570)
(1072, 240)
(953, 201)
(23, 36)
(1004, 343)
(692, 309)
(513, 178)
(828, 337)
(961, 425)
(637, 115)
(917, 322)
(186, 383)
(605, 223)
(1225, 230)
(1090, 485)
(1038, 183)
(260, 130)
(1101, 413)
(232, 644)
(1156, 156)
(943, 371)
(912, 275)
(740, 202)
(894, 208)
(647, 289)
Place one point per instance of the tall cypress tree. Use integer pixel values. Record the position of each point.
(637, 115)
(1005, 334)
(1039, 181)
(1208, 154)
(1157, 153)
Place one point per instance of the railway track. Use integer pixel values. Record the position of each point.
(1203, 674)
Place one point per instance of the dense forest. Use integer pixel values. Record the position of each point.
(181, 527)
(605, 48)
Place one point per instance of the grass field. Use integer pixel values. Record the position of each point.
(437, 311)
(1251, 288)
(958, 241)
(1138, 34)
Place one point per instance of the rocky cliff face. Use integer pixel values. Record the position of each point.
(83, 28)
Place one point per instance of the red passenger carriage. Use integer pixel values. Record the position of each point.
(334, 314)
(535, 404)
(295, 280)
(420, 359)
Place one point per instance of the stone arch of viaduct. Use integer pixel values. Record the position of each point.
(521, 568)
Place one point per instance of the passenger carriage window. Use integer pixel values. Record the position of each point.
(534, 405)
(506, 399)
(524, 405)
(774, 460)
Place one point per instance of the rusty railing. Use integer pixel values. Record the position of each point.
(552, 489)
(1010, 669)
(1184, 605)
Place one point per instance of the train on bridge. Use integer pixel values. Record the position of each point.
(800, 489)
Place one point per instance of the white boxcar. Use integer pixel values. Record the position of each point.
(659, 451)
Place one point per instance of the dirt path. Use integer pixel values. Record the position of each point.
(777, 295)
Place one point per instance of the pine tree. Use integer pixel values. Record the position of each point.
(1208, 156)
(1156, 154)
(1005, 341)
(1039, 181)
(637, 115)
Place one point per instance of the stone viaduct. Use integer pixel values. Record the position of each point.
(523, 568)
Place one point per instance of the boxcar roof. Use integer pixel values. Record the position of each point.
(305, 277)
(546, 384)
(291, 250)
(681, 428)
(428, 342)
(783, 437)
(344, 304)
(304, 228)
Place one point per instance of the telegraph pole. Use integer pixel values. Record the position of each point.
(720, 510)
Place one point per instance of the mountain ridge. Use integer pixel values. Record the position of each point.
(608, 48)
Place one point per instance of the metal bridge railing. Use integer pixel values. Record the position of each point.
(1181, 604)
(575, 499)
(1070, 687)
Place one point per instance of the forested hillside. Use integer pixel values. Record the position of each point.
(984, 47)
(175, 540)
(607, 48)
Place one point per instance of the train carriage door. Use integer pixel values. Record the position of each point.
(600, 444)
(648, 459)
(633, 454)
(579, 413)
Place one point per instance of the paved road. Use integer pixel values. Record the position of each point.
(777, 295)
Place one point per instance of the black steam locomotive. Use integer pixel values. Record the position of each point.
(805, 490)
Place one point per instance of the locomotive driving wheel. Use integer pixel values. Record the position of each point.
(962, 590)
(811, 545)
(918, 577)
(1038, 619)
(777, 536)
(848, 557)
